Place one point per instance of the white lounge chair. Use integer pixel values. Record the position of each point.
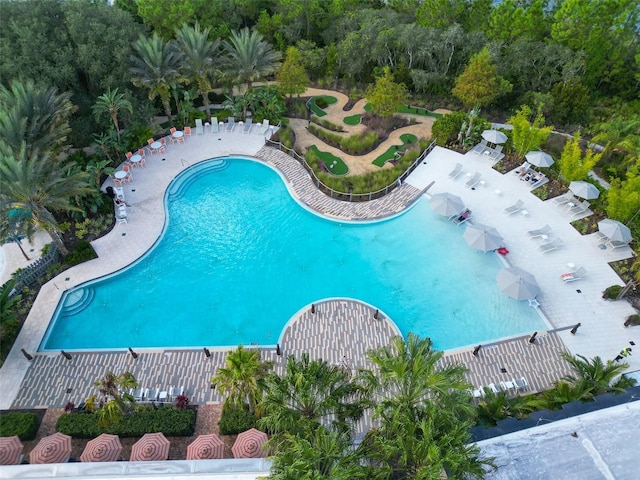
(521, 384)
(515, 208)
(247, 125)
(231, 124)
(546, 230)
(507, 386)
(461, 217)
(496, 152)
(214, 124)
(573, 276)
(474, 180)
(551, 246)
(262, 128)
(522, 169)
(493, 388)
(455, 173)
(617, 244)
(199, 127)
(579, 209)
(564, 199)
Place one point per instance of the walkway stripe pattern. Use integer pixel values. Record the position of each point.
(300, 182)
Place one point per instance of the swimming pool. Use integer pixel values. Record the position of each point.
(239, 257)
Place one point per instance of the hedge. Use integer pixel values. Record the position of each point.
(171, 421)
(235, 419)
(25, 425)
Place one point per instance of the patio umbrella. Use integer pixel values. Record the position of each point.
(539, 159)
(250, 444)
(206, 447)
(10, 450)
(446, 204)
(55, 448)
(104, 448)
(584, 190)
(494, 136)
(482, 237)
(151, 447)
(517, 283)
(614, 230)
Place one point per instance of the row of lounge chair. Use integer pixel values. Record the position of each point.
(574, 206)
(230, 125)
(156, 394)
(512, 386)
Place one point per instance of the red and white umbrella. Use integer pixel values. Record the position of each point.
(250, 444)
(55, 448)
(206, 447)
(104, 448)
(151, 447)
(10, 450)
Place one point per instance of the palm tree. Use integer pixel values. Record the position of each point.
(112, 102)
(34, 116)
(249, 57)
(596, 377)
(16, 224)
(620, 135)
(241, 379)
(320, 455)
(39, 185)
(198, 59)
(156, 67)
(309, 394)
(115, 399)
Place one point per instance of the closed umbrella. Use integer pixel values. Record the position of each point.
(483, 237)
(250, 444)
(206, 447)
(614, 230)
(151, 447)
(104, 448)
(446, 204)
(517, 283)
(585, 190)
(55, 448)
(10, 450)
(494, 136)
(539, 159)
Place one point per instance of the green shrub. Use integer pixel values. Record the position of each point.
(612, 292)
(355, 144)
(235, 419)
(632, 320)
(171, 421)
(83, 251)
(321, 102)
(25, 425)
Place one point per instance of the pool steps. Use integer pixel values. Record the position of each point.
(178, 187)
(77, 301)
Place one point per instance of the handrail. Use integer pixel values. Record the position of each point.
(349, 196)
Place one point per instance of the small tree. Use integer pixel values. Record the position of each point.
(111, 103)
(113, 399)
(479, 84)
(573, 164)
(528, 134)
(386, 96)
(292, 78)
(623, 197)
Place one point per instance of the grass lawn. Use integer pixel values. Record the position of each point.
(419, 111)
(353, 119)
(316, 109)
(334, 164)
(407, 138)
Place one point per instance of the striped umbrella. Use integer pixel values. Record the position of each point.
(151, 447)
(206, 447)
(104, 448)
(250, 444)
(55, 448)
(10, 450)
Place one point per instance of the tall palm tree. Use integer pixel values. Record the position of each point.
(112, 102)
(38, 185)
(198, 60)
(309, 394)
(249, 58)
(620, 135)
(241, 378)
(156, 67)
(34, 116)
(16, 224)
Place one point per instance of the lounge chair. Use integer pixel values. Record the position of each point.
(462, 217)
(214, 124)
(493, 388)
(474, 180)
(602, 238)
(579, 209)
(455, 173)
(573, 276)
(477, 393)
(262, 128)
(495, 154)
(617, 244)
(247, 125)
(152, 395)
(515, 208)
(550, 246)
(480, 148)
(522, 169)
(231, 124)
(507, 386)
(199, 127)
(563, 199)
(546, 230)
(520, 384)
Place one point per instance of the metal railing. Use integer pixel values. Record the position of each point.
(30, 274)
(349, 196)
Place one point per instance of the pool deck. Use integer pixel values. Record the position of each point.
(44, 381)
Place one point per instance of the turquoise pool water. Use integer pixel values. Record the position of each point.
(239, 257)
